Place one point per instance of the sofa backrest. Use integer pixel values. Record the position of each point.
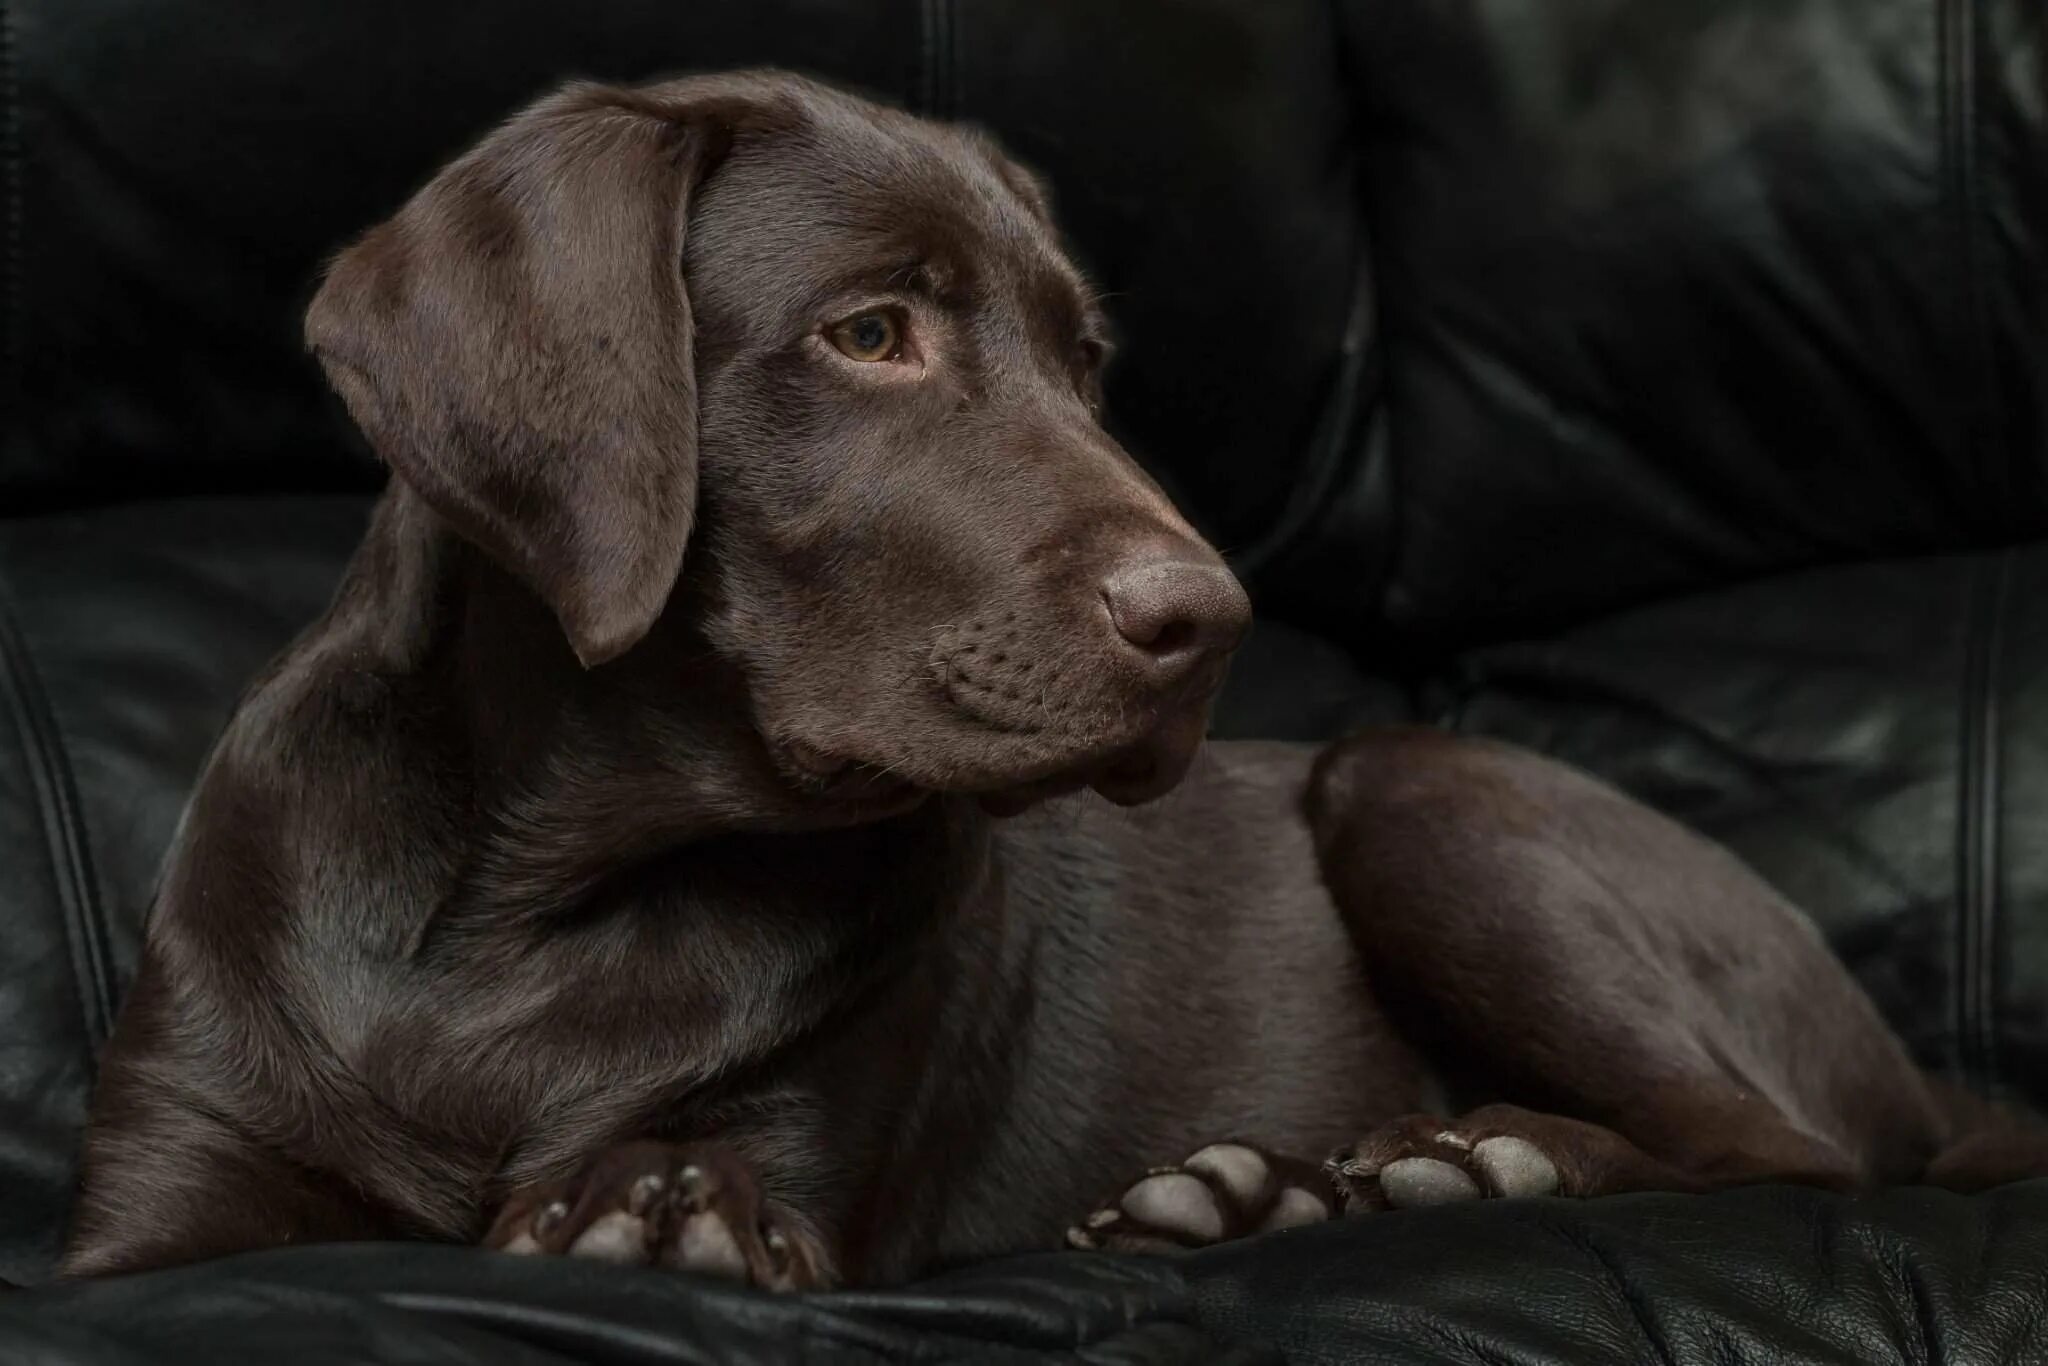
(184, 168)
(1449, 318)
(1674, 293)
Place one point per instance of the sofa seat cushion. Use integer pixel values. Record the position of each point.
(1767, 1276)
(1762, 1277)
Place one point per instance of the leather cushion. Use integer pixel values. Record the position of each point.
(1767, 1276)
(1762, 1277)
(418, 1305)
(1681, 292)
(125, 637)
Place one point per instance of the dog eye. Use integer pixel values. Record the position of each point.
(869, 337)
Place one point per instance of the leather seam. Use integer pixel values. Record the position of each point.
(1354, 401)
(1978, 824)
(1376, 408)
(1982, 421)
(10, 207)
(1340, 424)
(940, 76)
(63, 824)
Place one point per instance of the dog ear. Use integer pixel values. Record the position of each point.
(516, 344)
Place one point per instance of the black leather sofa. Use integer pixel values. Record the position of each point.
(1659, 383)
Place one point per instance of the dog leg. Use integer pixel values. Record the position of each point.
(689, 1207)
(1984, 1160)
(1671, 1022)
(1668, 1022)
(1989, 1145)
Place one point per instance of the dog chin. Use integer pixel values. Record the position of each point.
(1128, 774)
(1132, 776)
(1131, 780)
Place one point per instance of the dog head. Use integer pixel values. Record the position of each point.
(811, 381)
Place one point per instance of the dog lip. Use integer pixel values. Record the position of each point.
(1129, 766)
(832, 777)
(1128, 774)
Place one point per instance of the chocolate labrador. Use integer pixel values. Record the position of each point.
(689, 837)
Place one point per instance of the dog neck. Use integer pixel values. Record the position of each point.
(575, 777)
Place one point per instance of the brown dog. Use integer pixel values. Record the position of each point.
(616, 868)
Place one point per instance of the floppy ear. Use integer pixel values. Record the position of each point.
(516, 344)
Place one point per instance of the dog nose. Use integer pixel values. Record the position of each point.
(1176, 611)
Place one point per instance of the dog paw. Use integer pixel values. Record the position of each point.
(692, 1207)
(1420, 1160)
(1223, 1191)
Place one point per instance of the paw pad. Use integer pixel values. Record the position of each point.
(1223, 1191)
(1514, 1167)
(1415, 1163)
(1418, 1182)
(1176, 1203)
(693, 1209)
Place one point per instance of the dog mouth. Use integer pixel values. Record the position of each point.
(1129, 779)
(1127, 749)
(1125, 771)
